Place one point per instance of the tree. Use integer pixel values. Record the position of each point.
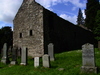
(5, 36)
(97, 27)
(91, 12)
(80, 19)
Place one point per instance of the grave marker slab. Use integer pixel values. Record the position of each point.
(5, 54)
(51, 51)
(24, 56)
(19, 52)
(9, 52)
(88, 62)
(46, 60)
(36, 61)
(14, 56)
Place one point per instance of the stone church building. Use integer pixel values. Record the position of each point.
(35, 27)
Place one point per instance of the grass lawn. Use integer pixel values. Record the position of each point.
(71, 61)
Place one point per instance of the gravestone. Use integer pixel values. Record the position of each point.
(51, 51)
(5, 54)
(46, 60)
(19, 52)
(14, 55)
(9, 52)
(36, 61)
(24, 56)
(88, 61)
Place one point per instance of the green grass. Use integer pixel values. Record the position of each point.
(71, 61)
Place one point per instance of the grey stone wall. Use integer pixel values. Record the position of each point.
(28, 28)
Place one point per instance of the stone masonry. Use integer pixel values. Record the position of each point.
(28, 28)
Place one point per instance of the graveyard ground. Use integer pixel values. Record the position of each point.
(66, 63)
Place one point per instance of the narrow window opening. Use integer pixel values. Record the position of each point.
(20, 35)
(31, 33)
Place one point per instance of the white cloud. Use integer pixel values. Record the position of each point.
(8, 9)
(83, 11)
(69, 18)
(48, 3)
(76, 3)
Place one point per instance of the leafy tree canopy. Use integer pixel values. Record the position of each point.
(91, 11)
(5, 36)
(97, 28)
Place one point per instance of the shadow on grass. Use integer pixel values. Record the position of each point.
(53, 67)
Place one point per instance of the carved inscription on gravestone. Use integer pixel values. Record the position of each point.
(88, 61)
(46, 60)
(88, 55)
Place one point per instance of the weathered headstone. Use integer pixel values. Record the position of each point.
(14, 55)
(9, 51)
(19, 52)
(88, 61)
(51, 51)
(5, 54)
(46, 60)
(24, 56)
(36, 61)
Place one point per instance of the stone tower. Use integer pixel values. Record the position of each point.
(28, 28)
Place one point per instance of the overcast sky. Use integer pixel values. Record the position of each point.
(67, 9)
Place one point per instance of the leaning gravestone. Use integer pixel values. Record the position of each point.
(24, 56)
(88, 60)
(46, 60)
(14, 55)
(51, 51)
(5, 54)
(36, 61)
